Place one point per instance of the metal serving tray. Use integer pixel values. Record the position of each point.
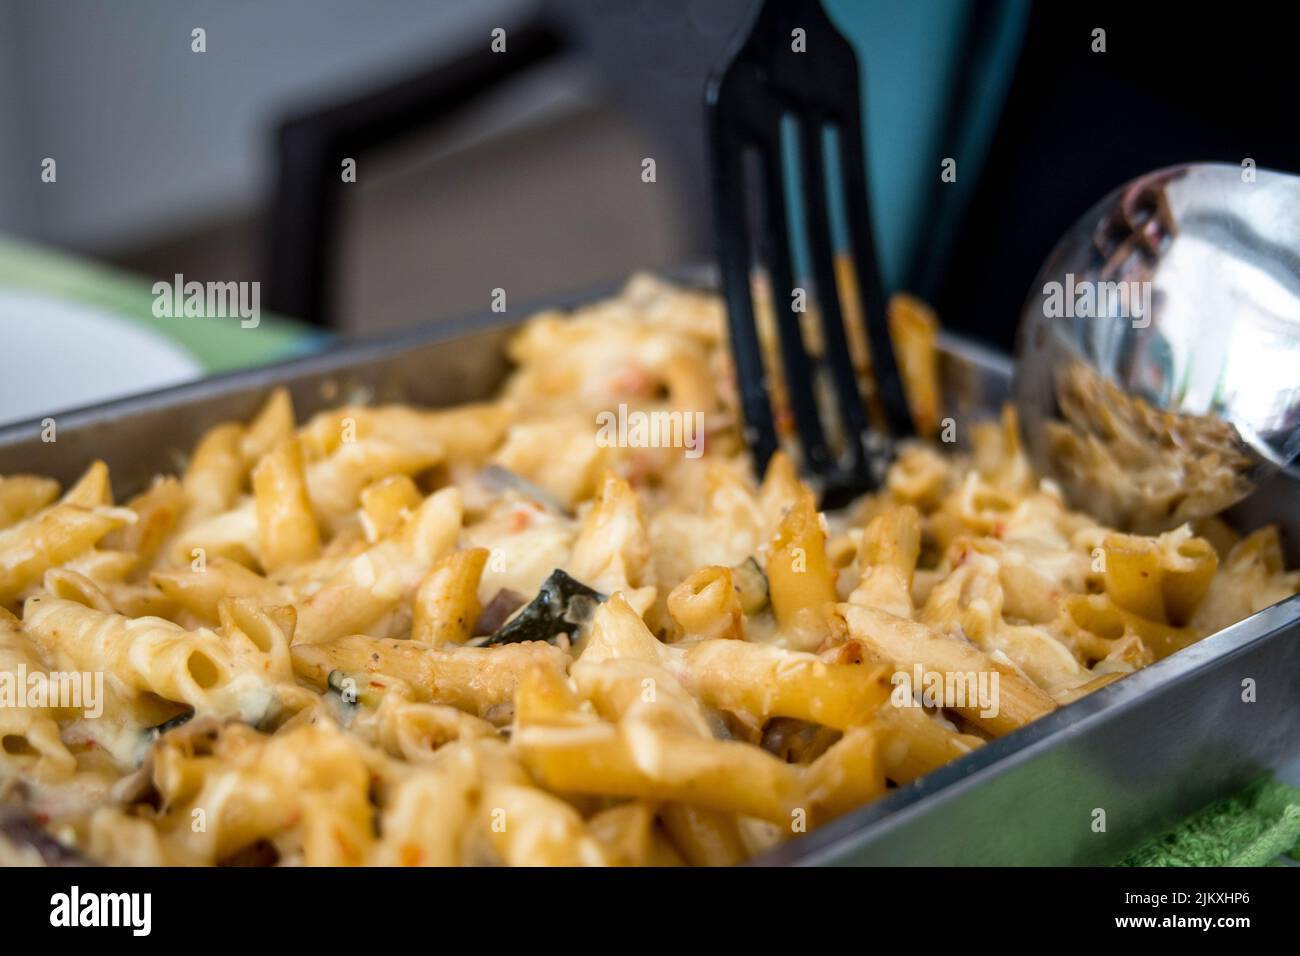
(1145, 750)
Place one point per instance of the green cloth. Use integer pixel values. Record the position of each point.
(1251, 828)
(219, 346)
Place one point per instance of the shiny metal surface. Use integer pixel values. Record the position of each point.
(1158, 358)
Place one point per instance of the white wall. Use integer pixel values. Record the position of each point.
(150, 136)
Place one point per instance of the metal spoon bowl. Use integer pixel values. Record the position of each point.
(1158, 356)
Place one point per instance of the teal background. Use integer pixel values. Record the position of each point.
(908, 55)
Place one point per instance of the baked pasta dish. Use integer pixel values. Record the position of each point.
(1154, 468)
(565, 626)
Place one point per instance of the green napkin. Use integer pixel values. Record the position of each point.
(218, 345)
(1253, 827)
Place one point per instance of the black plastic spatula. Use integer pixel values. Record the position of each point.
(790, 64)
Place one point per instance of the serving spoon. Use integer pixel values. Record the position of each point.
(1158, 356)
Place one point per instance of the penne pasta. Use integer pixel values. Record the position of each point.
(286, 527)
(561, 627)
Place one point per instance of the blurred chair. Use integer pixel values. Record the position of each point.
(304, 219)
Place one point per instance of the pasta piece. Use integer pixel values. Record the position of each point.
(622, 686)
(919, 477)
(199, 592)
(1098, 625)
(305, 789)
(215, 476)
(913, 744)
(233, 534)
(425, 818)
(334, 484)
(21, 496)
(635, 759)
(704, 837)
(525, 543)
(446, 603)
(887, 555)
(1252, 578)
(29, 734)
(781, 490)
(1162, 579)
(466, 435)
(529, 827)
(151, 655)
(707, 606)
(914, 330)
(286, 527)
(416, 731)
(272, 425)
(626, 833)
(473, 679)
(801, 580)
(765, 682)
(131, 841)
(560, 456)
(386, 503)
(658, 749)
(58, 534)
(616, 630)
(906, 643)
(158, 512)
(383, 576)
(968, 605)
(849, 774)
(727, 532)
(612, 551)
(92, 489)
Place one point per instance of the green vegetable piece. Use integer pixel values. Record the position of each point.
(751, 584)
(562, 605)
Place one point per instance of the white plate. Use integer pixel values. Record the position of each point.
(56, 354)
